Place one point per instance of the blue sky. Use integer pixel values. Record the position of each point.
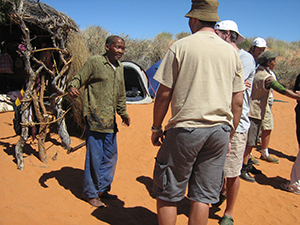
(144, 19)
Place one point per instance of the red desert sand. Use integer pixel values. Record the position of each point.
(52, 193)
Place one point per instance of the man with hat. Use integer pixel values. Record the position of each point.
(258, 46)
(201, 78)
(262, 83)
(228, 31)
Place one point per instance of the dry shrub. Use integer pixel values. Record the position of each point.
(146, 52)
(79, 54)
(94, 38)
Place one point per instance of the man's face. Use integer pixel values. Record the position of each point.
(272, 64)
(116, 50)
(257, 51)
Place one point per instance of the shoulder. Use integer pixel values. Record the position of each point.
(246, 55)
(97, 58)
(247, 58)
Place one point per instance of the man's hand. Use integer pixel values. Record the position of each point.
(156, 136)
(73, 92)
(247, 84)
(126, 121)
(229, 149)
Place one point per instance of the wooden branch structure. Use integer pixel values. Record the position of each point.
(41, 73)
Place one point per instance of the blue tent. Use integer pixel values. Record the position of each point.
(153, 84)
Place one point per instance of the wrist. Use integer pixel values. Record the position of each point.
(156, 129)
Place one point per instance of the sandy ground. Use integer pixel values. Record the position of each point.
(51, 193)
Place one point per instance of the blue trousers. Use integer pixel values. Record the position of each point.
(100, 163)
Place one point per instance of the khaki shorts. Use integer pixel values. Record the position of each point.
(234, 162)
(253, 131)
(267, 122)
(192, 157)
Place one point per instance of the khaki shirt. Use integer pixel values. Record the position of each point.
(260, 92)
(104, 93)
(203, 72)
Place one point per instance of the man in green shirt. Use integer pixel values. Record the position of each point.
(102, 77)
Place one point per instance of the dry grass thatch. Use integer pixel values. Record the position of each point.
(52, 52)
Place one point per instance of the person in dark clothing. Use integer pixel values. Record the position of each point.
(294, 184)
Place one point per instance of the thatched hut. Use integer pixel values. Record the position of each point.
(45, 51)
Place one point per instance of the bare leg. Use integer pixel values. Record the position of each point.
(265, 138)
(224, 188)
(233, 185)
(167, 212)
(247, 154)
(199, 213)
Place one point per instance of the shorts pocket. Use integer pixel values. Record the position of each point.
(160, 175)
(226, 127)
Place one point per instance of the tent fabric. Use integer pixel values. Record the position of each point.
(153, 84)
(136, 84)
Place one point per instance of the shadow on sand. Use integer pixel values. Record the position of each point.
(114, 213)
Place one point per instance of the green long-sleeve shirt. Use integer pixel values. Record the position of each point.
(104, 93)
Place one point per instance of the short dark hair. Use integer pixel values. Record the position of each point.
(252, 48)
(233, 36)
(111, 39)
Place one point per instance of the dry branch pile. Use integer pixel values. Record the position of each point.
(45, 37)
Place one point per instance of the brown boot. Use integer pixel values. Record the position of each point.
(96, 202)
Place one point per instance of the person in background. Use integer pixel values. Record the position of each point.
(293, 185)
(205, 90)
(258, 46)
(102, 77)
(263, 82)
(228, 31)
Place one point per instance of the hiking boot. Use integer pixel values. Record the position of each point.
(254, 160)
(270, 159)
(253, 170)
(245, 174)
(222, 198)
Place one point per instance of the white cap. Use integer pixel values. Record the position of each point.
(232, 26)
(260, 42)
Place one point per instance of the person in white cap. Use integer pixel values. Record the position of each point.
(228, 31)
(201, 79)
(258, 46)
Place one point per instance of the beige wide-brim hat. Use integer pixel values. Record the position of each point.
(205, 10)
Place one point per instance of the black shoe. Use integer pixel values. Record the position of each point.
(253, 170)
(246, 176)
